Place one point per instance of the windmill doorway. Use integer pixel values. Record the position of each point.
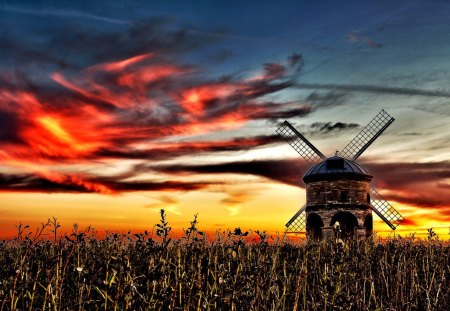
(314, 226)
(347, 223)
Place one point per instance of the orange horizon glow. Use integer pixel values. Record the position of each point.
(110, 219)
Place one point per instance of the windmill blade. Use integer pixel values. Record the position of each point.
(384, 209)
(300, 144)
(298, 222)
(367, 136)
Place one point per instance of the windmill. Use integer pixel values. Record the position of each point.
(338, 188)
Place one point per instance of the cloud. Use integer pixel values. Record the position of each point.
(78, 184)
(327, 127)
(408, 222)
(378, 89)
(234, 209)
(416, 184)
(403, 175)
(443, 185)
(285, 171)
(72, 47)
(170, 150)
(275, 112)
(10, 128)
(424, 199)
(411, 134)
(354, 36)
(327, 99)
(168, 203)
(235, 199)
(64, 13)
(129, 97)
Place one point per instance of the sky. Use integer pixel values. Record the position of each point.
(113, 110)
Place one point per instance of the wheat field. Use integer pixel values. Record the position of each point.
(233, 270)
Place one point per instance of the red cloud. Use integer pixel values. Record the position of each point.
(124, 108)
(408, 222)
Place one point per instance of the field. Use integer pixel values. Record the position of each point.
(236, 270)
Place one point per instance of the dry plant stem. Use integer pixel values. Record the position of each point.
(234, 270)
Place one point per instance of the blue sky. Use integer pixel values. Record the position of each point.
(413, 34)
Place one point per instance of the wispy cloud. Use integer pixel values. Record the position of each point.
(354, 36)
(235, 199)
(63, 13)
(168, 203)
(70, 183)
(285, 171)
(417, 184)
(379, 89)
(328, 127)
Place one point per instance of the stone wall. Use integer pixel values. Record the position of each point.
(331, 192)
(326, 198)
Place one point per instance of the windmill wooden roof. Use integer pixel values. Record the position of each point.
(336, 166)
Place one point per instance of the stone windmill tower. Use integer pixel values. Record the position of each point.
(338, 188)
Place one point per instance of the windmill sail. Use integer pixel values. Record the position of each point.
(367, 136)
(385, 210)
(351, 152)
(298, 222)
(308, 151)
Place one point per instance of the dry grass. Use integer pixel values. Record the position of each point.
(146, 272)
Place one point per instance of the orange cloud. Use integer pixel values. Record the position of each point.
(122, 64)
(126, 109)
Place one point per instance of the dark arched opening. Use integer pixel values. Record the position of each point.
(368, 224)
(314, 226)
(347, 223)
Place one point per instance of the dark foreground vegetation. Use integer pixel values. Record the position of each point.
(152, 272)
